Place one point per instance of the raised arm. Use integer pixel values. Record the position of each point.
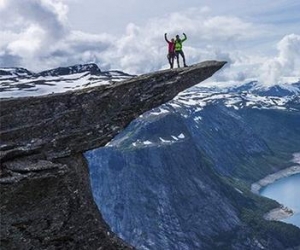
(185, 37)
(166, 38)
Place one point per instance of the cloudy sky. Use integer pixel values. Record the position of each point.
(259, 38)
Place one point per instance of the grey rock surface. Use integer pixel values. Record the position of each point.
(46, 200)
(47, 205)
(62, 124)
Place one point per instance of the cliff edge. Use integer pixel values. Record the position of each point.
(46, 200)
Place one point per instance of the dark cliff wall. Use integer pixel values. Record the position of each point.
(50, 206)
(46, 200)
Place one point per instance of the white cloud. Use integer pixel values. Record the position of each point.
(142, 48)
(38, 36)
(286, 63)
(32, 28)
(3, 4)
(50, 15)
(28, 42)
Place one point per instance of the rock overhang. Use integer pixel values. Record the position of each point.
(62, 124)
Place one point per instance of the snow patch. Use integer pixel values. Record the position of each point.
(181, 136)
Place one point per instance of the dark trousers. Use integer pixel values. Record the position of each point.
(180, 52)
(171, 57)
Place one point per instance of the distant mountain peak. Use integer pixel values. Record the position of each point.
(15, 72)
(92, 68)
(16, 82)
(276, 90)
(279, 90)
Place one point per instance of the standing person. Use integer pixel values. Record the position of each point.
(171, 51)
(178, 49)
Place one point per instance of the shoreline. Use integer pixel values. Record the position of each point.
(281, 212)
(269, 179)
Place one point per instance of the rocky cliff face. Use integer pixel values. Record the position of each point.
(46, 201)
(48, 205)
(179, 176)
(62, 124)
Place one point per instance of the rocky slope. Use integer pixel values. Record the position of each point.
(179, 177)
(46, 201)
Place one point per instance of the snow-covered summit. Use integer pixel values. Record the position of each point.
(7, 73)
(199, 98)
(279, 90)
(91, 68)
(249, 95)
(195, 105)
(20, 82)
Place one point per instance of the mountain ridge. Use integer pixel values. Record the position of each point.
(17, 82)
(77, 68)
(172, 158)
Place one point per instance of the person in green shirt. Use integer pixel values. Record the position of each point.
(178, 49)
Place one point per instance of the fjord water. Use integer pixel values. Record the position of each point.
(287, 192)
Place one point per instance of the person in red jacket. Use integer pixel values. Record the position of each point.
(171, 51)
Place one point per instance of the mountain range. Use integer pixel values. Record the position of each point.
(20, 82)
(177, 177)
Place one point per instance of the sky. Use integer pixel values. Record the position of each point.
(260, 39)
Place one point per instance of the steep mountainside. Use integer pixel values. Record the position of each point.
(179, 176)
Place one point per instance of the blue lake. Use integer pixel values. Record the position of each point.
(287, 192)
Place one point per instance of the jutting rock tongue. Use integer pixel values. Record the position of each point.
(58, 125)
(46, 200)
